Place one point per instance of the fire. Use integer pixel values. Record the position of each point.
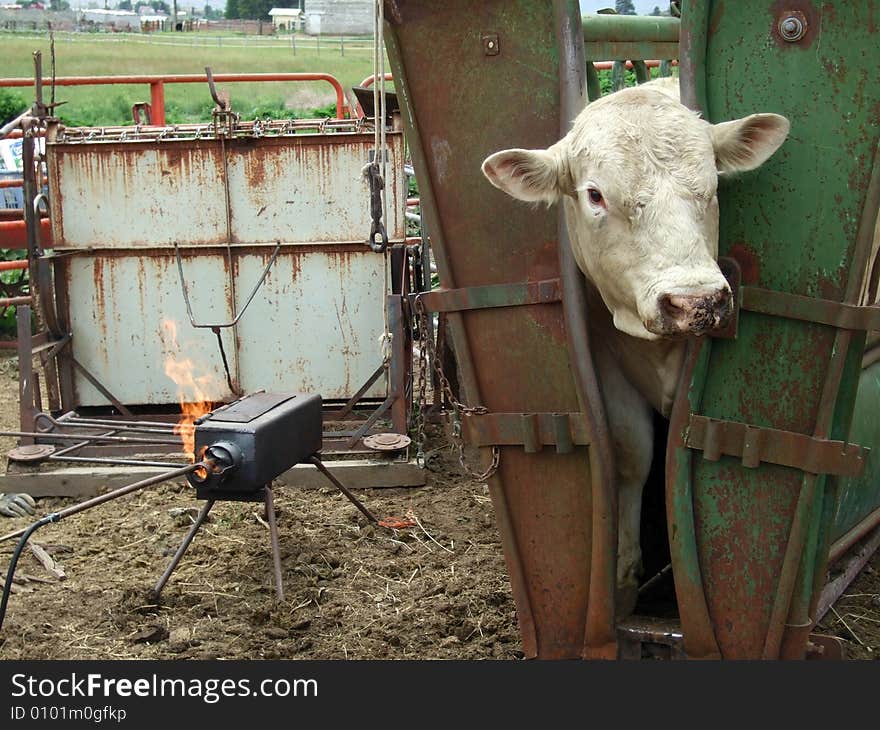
(192, 390)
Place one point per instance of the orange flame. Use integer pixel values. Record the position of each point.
(192, 390)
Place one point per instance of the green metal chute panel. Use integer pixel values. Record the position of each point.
(750, 541)
(859, 498)
(474, 78)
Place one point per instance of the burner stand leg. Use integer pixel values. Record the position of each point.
(273, 537)
(157, 589)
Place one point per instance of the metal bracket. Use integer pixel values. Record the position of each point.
(533, 431)
(546, 291)
(754, 444)
(810, 309)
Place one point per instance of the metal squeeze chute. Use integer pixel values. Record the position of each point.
(513, 74)
(760, 452)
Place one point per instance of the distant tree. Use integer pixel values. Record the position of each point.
(656, 11)
(211, 14)
(160, 6)
(58, 5)
(232, 9)
(625, 7)
(124, 5)
(255, 9)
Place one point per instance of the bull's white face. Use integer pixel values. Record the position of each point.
(638, 174)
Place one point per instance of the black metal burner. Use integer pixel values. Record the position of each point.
(252, 441)
(246, 444)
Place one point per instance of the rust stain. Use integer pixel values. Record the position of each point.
(98, 276)
(715, 20)
(748, 262)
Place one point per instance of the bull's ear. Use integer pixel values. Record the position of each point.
(530, 175)
(747, 143)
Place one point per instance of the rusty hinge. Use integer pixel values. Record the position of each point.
(532, 431)
(493, 295)
(754, 444)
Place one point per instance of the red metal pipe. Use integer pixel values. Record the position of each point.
(13, 265)
(371, 79)
(157, 103)
(157, 82)
(16, 182)
(13, 301)
(14, 235)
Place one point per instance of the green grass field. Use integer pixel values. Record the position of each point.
(107, 55)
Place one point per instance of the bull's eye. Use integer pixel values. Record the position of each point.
(595, 196)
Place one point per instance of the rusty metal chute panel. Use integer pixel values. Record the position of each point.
(555, 519)
(750, 525)
(325, 330)
(859, 497)
(119, 307)
(120, 205)
(305, 188)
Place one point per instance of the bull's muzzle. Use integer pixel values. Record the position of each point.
(688, 314)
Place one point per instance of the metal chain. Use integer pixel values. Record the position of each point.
(458, 408)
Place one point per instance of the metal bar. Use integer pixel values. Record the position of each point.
(160, 584)
(535, 430)
(631, 28)
(26, 410)
(106, 393)
(341, 487)
(259, 283)
(835, 588)
(600, 638)
(632, 50)
(15, 301)
(132, 429)
(17, 182)
(810, 309)
(273, 539)
(787, 448)
(13, 234)
(75, 447)
(121, 492)
(14, 123)
(368, 424)
(100, 422)
(49, 435)
(399, 367)
(352, 402)
(870, 357)
(845, 542)
(159, 80)
(157, 102)
(495, 295)
(791, 565)
(113, 462)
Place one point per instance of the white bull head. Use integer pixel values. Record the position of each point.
(638, 173)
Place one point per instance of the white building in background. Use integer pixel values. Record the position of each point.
(286, 18)
(119, 19)
(339, 17)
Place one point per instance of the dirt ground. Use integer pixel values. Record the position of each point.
(435, 591)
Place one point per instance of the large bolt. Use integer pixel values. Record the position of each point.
(792, 27)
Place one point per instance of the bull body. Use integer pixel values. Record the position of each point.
(637, 176)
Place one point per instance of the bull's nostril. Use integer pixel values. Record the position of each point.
(672, 307)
